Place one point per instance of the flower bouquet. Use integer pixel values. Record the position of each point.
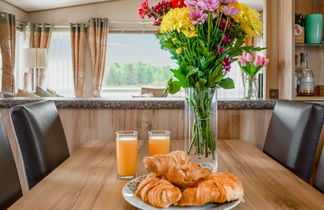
(251, 66)
(204, 37)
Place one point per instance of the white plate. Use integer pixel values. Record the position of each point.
(129, 195)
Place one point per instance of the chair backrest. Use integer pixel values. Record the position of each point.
(293, 136)
(319, 179)
(40, 137)
(10, 189)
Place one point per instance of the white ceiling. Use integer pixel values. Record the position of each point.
(33, 5)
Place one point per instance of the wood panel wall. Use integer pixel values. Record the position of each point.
(83, 125)
(272, 42)
(86, 124)
(309, 6)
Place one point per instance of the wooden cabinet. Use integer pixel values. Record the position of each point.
(284, 53)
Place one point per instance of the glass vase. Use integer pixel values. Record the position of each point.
(250, 88)
(201, 126)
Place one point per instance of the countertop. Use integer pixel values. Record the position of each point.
(137, 103)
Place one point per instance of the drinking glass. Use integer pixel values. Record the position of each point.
(126, 146)
(159, 142)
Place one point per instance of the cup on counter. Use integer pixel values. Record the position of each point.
(126, 147)
(159, 142)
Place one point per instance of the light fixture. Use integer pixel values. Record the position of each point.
(35, 59)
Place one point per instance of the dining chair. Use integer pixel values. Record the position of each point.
(41, 139)
(10, 189)
(293, 136)
(319, 179)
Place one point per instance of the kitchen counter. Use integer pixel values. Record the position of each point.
(138, 103)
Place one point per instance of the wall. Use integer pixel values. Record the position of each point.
(121, 10)
(20, 15)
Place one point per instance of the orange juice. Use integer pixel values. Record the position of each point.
(126, 156)
(159, 145)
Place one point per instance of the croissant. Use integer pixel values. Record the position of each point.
(218, 188)
(177, 168)
(158, 192)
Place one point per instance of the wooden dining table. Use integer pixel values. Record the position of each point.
(88, 180)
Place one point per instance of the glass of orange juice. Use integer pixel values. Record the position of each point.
(126, 144)
(159, 142)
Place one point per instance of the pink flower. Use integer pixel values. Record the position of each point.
(228, 1)
(227, 64)
(191, 4)
(226, 40)
(259, 61)
(198, 17)
(208, 5)
(242, 60)
(220, 50)
(249, 57)
(223, 23)
(266, 61)
(214, 15)
(231, 11)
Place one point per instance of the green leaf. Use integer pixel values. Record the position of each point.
(227, 83)
(173, 86)
(192, 70)
(169, 44)
(178, 75)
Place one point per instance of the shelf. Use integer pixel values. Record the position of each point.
(309, 45)
(309, 98)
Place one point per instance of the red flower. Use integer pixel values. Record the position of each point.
(143, 10)
(177, 3)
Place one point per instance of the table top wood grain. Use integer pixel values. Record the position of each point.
(87, 180)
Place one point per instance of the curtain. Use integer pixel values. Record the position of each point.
(59, 73)
(78, 39)
(8, 44)
(97, 41)
(38, 35)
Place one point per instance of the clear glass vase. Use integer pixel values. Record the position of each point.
(201, 126)
(250, 88)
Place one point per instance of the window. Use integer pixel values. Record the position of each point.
(59, 74)
(133, 61)
(19, 68)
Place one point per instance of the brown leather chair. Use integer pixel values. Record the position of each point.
(293, 135)
(40, 137)
(10, 189)
(319, 179)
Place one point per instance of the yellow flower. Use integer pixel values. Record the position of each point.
(177, 19)
(179, 51)
(249, 18)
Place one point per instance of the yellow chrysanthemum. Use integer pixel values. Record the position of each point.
(178, 19)
(249, 18)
